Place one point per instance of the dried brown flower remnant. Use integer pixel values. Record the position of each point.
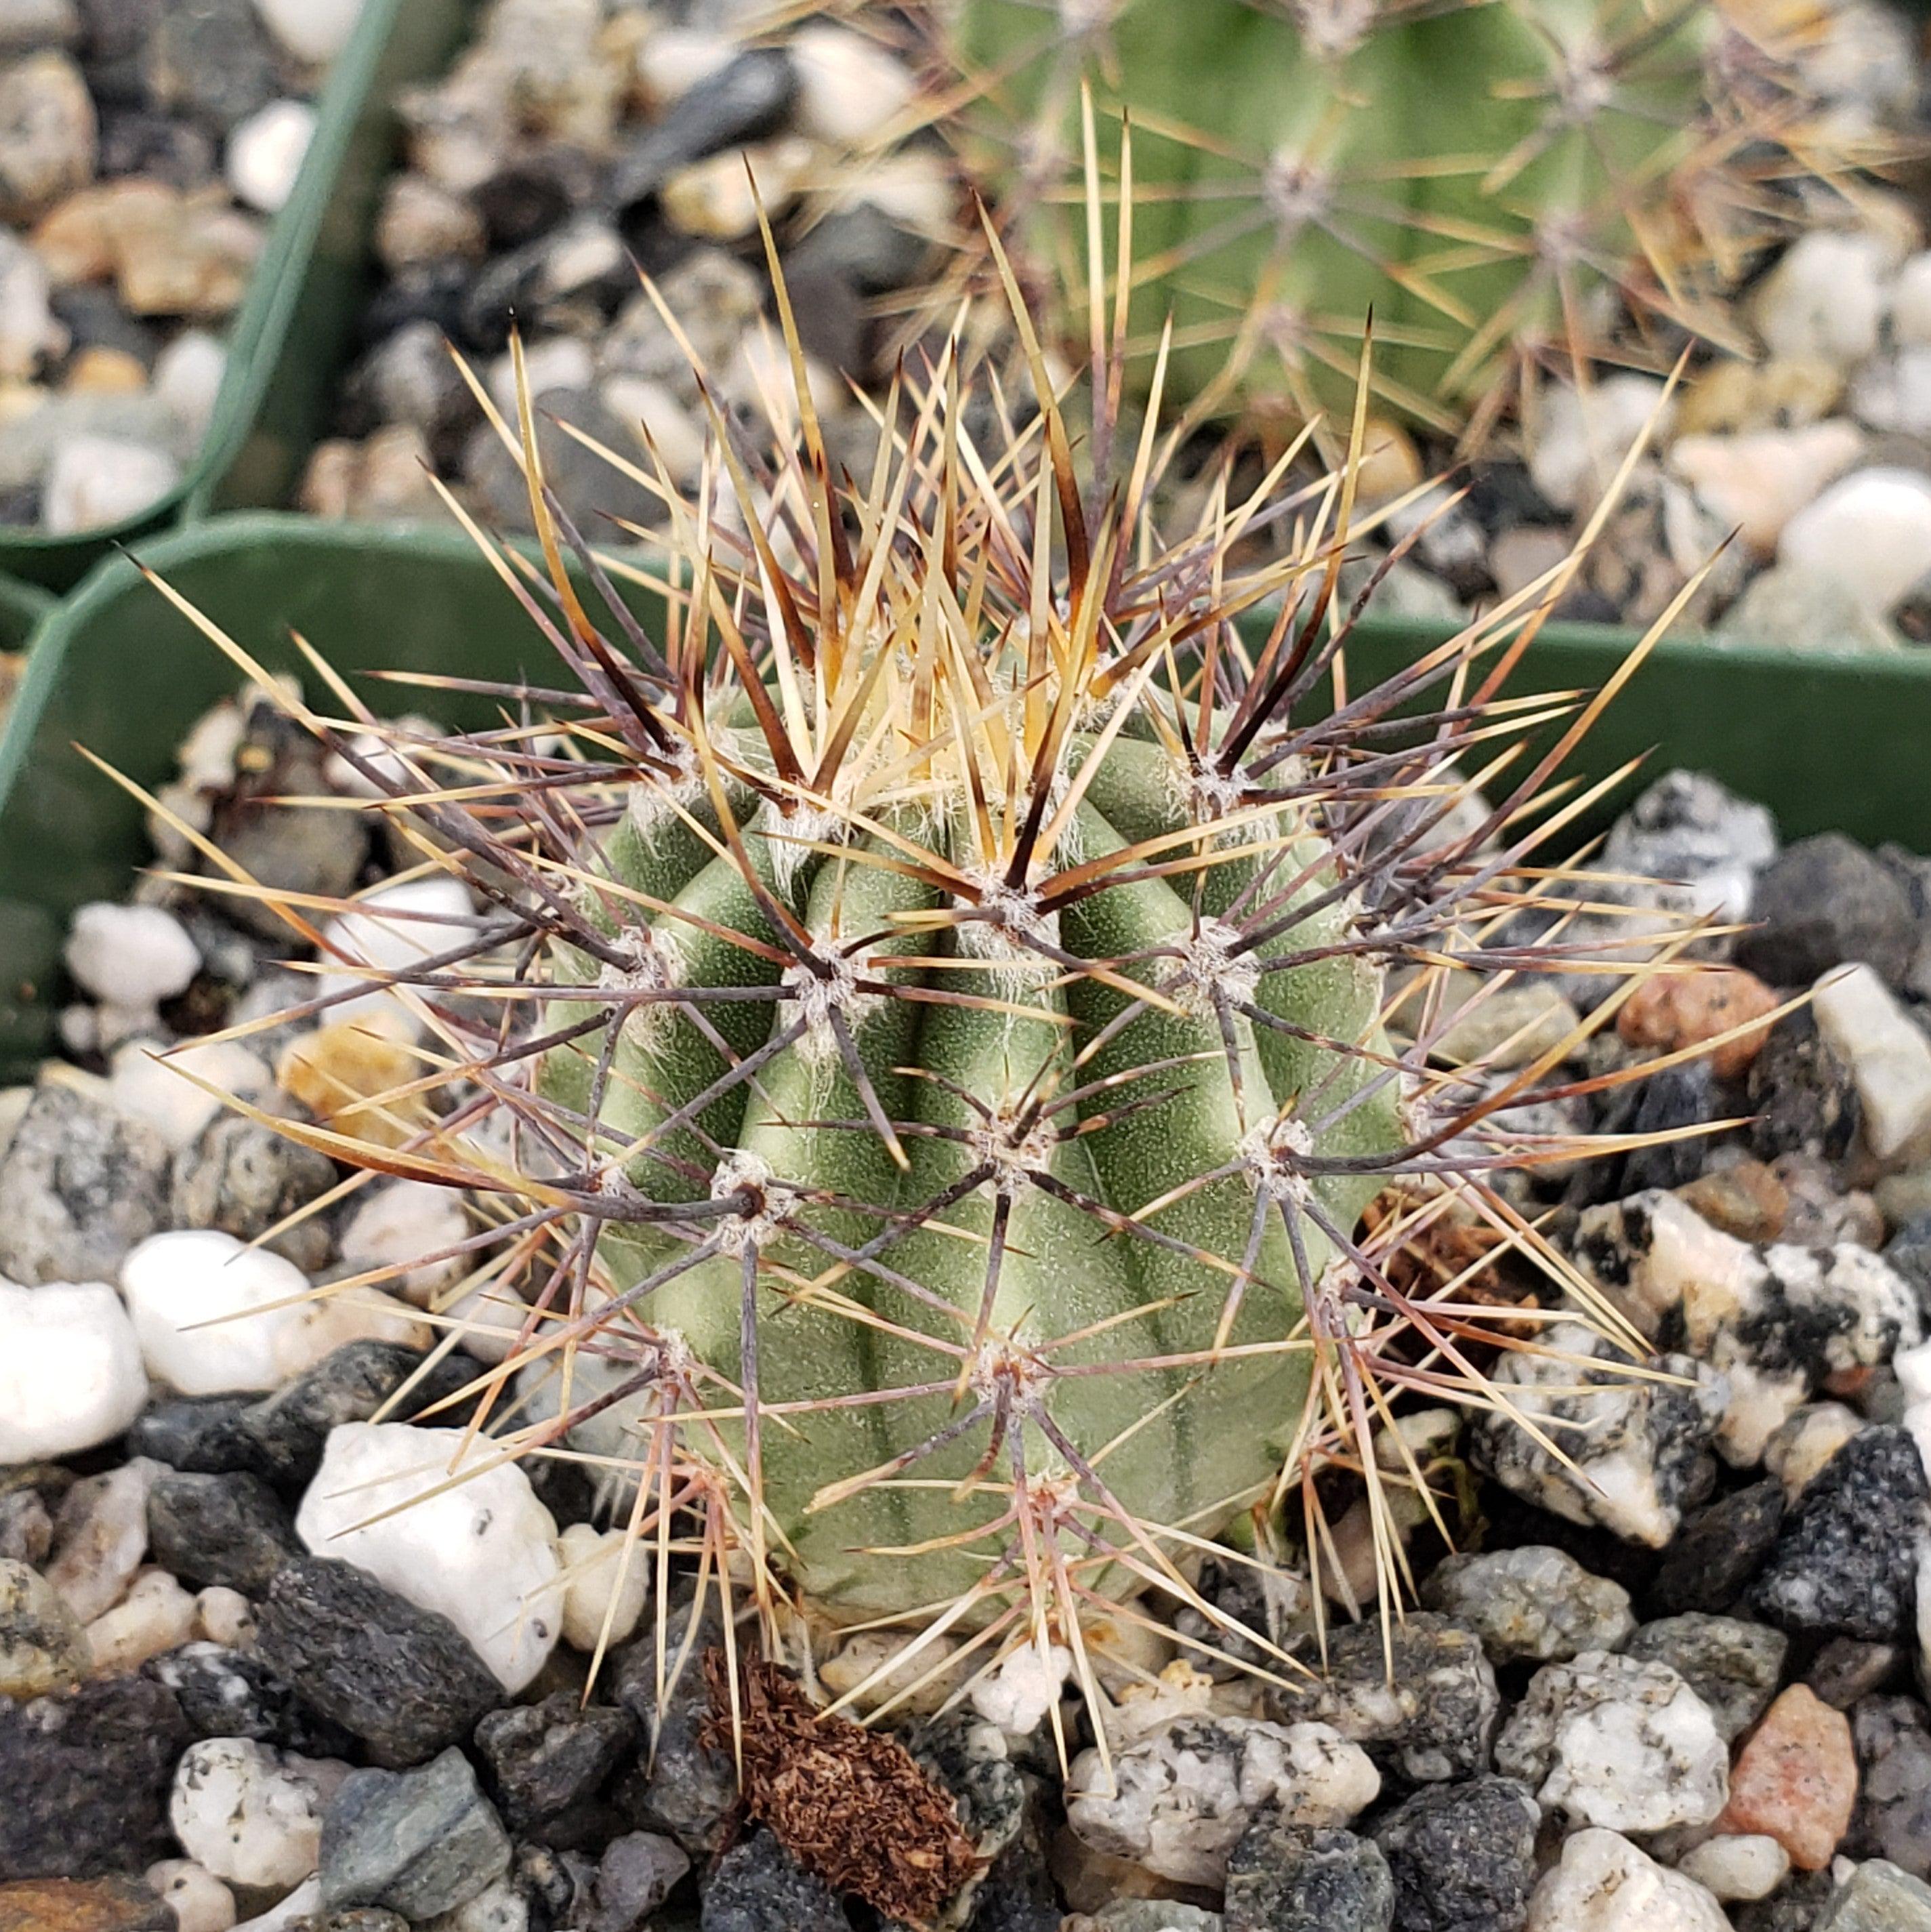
(852, 1805)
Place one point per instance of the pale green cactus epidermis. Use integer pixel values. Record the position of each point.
(1342, 144)
(1220, 1433)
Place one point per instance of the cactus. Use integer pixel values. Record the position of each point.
(930, 1050)
(1479, 174)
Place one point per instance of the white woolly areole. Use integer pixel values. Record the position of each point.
(1332, 28)
(741, 1172)
(1010, 1147)
(649, 966)
(1293, 190)
(817, 997)
(1273, 1153)
(1012, 929)
(661, 799)
(1211, 963)
(799, 827)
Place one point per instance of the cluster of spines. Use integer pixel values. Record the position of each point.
(949, 541)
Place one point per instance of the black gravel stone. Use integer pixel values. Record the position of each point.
(1801, 1094)
(233, 1530)
(93, 317)
(232, 1693)
(420, 1843)
(211, 60)
(1845, 1671)
(684, 1788)
(1793, 1907)
(163, 146)
(1301, 1878)
(85, 1777)
(289, 1428)
(549, 1761)
(1892, 1738)
(405, 1680)
(758, 1887)
(1432, 1720)
(1822, 902)
(635, 1874)
(1909, 1252)
(1845, 1564)
(1462, 1856)
(741, 101)
(1710, 1560)
(1678, 1097)
(202, 1433)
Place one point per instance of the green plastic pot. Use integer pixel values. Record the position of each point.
(23, 608)
(1825, 741)
(288, 341)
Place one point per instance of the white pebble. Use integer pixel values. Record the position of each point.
(1604, 1884)
(601, 1568)
(265, 153)
(1889, 1056)
(1814, 1433)
(102, 1534)
(1910, 302)
(662, 423)
(1579, 440)
(1759, 482)
(1871, 532)
(674, 59)
(1747, 1865)
(554, 362)
(157, 1615)
(212, 1314)
(1825, 301)
(1179, 1796)
(130, 956)
(849, 87)
(392, 928)
(480, 1548)
(403, 1222)
(250, 1814)
(1017, 1695)
(71, 1373)
(160, 1094)
(199, 1901)
(225, 1617)
(314, 31)
(95, 481)
(188, 376)
(1617, 1742)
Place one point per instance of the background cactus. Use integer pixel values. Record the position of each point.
(1483, 175)
(929, 1050)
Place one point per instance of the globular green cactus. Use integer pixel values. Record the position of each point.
(928, 1054)
(1480, 174)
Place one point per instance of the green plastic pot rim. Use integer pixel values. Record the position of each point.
(273, 289)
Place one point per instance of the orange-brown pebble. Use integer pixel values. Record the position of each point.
(77, 1905)
(342, 1072)
(1746, 1199)
(1796, 1779)
(1679, 1010)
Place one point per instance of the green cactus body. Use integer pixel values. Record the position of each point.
(1473, 175)
(1183, 1441)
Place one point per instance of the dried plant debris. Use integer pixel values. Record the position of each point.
(850, 1804)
